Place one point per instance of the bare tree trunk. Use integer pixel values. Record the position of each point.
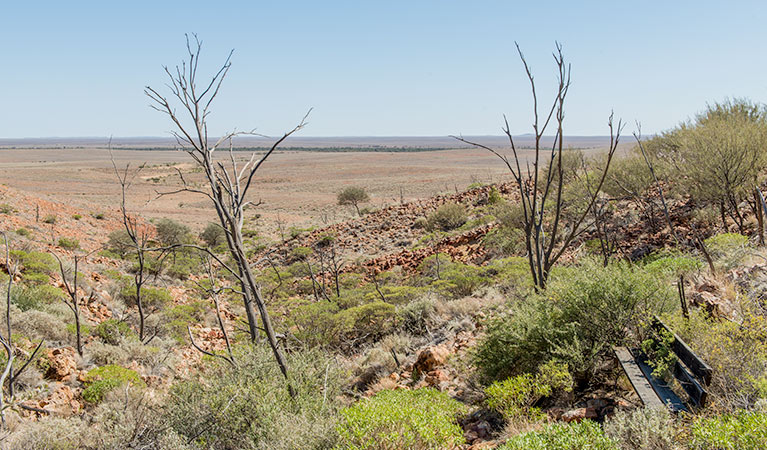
(226, 186)
(543, 242)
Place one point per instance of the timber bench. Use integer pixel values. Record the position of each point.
(692, 373)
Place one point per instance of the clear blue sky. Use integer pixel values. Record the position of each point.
(379, 68)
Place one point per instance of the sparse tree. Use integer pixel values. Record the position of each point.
(6, 340)
(353, 195)
(721, 156)
(227, 182)
(138, 235)
(70, 280)
(548, 233)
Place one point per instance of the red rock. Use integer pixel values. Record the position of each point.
(63, 363)
(436, 377)
(576, 415)
(431, 358)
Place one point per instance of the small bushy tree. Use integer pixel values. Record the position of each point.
(353, 195)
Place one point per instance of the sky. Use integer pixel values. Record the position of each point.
(383, 68)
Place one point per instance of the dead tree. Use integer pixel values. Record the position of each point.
(226, 183)
(213, 291)
(638, 137)
(6, 340)
(71, 301)
(547, 237)
(138, 235)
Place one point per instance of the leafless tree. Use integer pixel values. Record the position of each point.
(651, 168)
(138, 238)
(6, 340)
(213, 291)
(226, 183)
(547, 237)
(71, 290)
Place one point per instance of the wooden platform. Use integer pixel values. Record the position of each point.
(652, 392)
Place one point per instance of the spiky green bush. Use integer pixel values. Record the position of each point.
(421, 418)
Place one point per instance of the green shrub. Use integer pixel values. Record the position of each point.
(113, 331)
(103, 379)
(741, 431)
(77, 216)
(642, 429)
(514, 397)
(415, 317)
(421, 418)
(213, 235)
(23, 232)
(252, 406)
(170, 232)
(152, 298)
(671, 266)
(371, 319)
(420, 223)
(69, 243)
(736, 351)
(98, 216)
(353, 195)
(35, 297)
(49, 219)
(728, 249)
(447, 217)
(119, 242)
(35, 262)
(505, 241)
(573, 436)
(182, 263)
(397, 295)
(585, 311)
(180, 316)
(6, 209)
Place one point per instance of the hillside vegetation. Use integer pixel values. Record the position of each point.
(485, 318)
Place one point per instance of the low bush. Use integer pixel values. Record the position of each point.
(37, 324)
(23, 232)
(420, 223)
(643, 429)
(515, 397)
(6, 209)
(736, 351)
(251, 406)
(213, 235)
(103, 379)
(447, 217)
(421, 418)
(50, 433)
(416, 317)
(573, 436)
(170, 232)
(49, 219)
(671, 265)
(119, 242)
(740, 431)
(69, 243)
(113, 331)
(728, 249)
(35, 262)
(35, 297)
(179, 317)
(585, 310)
(152, 298)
